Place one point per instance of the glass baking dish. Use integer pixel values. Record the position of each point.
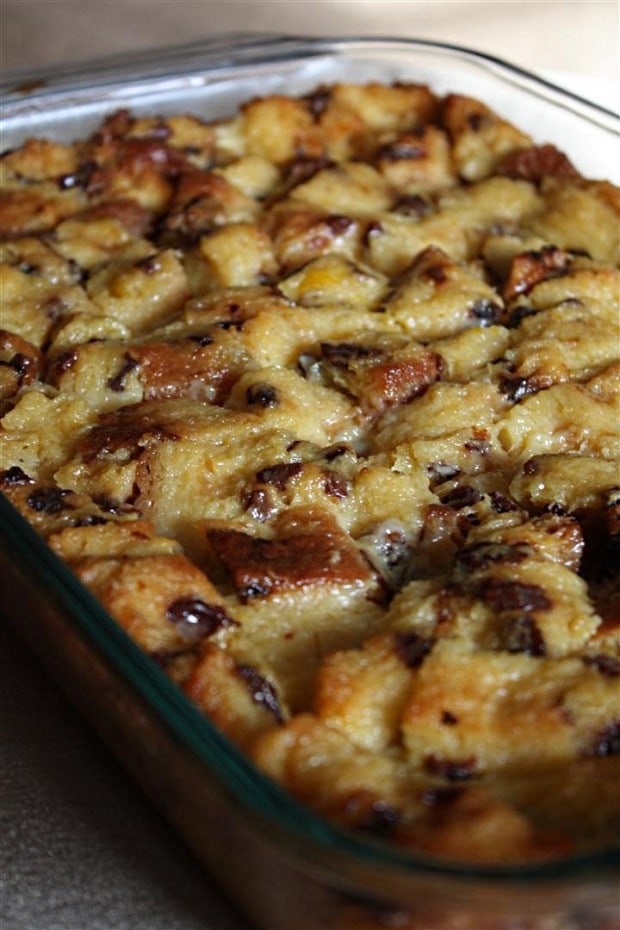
(268, 852)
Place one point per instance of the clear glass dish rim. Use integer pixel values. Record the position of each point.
(235, 49)
(194, 731)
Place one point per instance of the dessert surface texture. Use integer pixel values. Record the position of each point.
(321, 402)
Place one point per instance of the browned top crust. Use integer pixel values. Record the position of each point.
(321, 402)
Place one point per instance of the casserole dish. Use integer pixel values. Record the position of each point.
(278, 853)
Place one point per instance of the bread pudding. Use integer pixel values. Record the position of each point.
(321, 403)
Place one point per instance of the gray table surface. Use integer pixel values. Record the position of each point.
(82, 848)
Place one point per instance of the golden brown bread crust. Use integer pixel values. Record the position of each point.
(321, 402)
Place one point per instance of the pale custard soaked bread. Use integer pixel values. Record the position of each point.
(321, 402)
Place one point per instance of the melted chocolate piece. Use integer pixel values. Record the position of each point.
(48, 500)
(279, 475)
(341, 354)
(522, 634)
(606, 665)
(453, 771)
(411, 648)
(512, 595)
(608, 741)
(195, 619)
(487, 311)
(263, 395)
(117, 383)
(14, 476)
(262, 691)
(335, 486)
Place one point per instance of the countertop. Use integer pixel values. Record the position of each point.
(82, 848)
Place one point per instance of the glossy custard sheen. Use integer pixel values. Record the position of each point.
(321, 402)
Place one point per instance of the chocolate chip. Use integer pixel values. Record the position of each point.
(65, 361)
(195, 619)
(411, 648)
(436, 273)
(401, 149)
(341, 354)
(442, 795)
(15, 476)
(481, 556)
(448, 719)
(487, 311)
(512, 595)
(606, 665)
(47, 500)
(380, 819)
(500, 503)
(519, 313)
(117, 383)
(21, 363)
(413, 205)
(279, 475)
(259, 505)
(521, 634)
(339, 224)
(515, 388)
(335, 486)
(255, 589)
(463, 495)
(608, 741)
(439, 472)
(264, 395)
(318, 101)
(453, 771)
(334, 452)
(262, 691)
